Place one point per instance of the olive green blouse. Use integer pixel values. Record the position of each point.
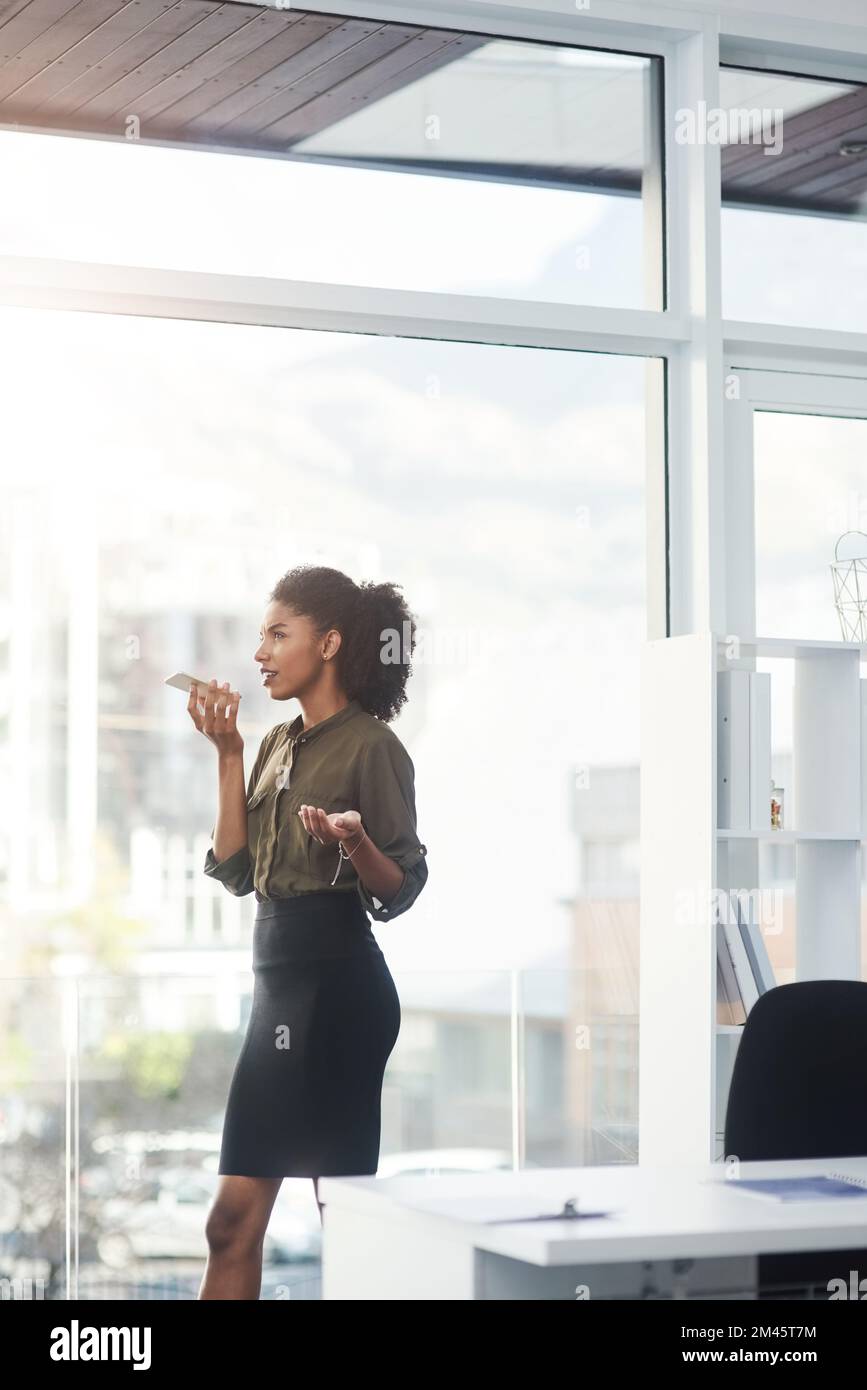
(349, 762)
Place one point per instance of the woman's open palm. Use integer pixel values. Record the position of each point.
(328, 830)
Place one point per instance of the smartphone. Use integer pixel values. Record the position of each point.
(181, 681)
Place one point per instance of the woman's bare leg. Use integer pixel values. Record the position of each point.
(235, 1230)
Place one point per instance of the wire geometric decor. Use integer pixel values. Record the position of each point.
(850, 592)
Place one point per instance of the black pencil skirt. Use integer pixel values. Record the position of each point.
(305, 1096)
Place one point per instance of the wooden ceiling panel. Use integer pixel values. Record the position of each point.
(423, 54)
(225, 70)
(129, 39)
(29, 22)
(412, 58)
(257, 28)
(286, 98)
(126, 87)
(251, 77)
(41, 52)
(70, 55)
(809, 170)
(314, 42)
(198, 71)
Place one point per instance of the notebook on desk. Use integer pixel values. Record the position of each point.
(823, 1188)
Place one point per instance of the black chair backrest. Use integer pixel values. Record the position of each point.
(799, 1083)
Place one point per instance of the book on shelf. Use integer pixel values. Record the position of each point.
(733, 724)
(730, 1006)
(760, 750)
(757, 951)
(747, 986)
(744, 969)
(863, 757)
(743, 750)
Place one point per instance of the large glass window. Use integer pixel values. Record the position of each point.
(391, 156)
(159, 476)
(794, 189)
(811, 512)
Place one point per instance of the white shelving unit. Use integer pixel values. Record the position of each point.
(685, 1056)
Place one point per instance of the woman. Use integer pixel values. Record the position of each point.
(324, 833)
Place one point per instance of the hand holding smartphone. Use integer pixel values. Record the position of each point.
(213, 709)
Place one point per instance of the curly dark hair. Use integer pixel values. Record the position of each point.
(377, 629)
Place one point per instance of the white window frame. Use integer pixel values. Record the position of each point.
(687, 519)
(790, 391)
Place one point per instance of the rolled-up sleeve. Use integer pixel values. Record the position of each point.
(236, 872)
(387, 808)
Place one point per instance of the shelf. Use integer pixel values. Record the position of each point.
(787, 837)
(789, 646)
(685, 746)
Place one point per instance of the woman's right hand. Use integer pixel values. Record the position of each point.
(216, 717)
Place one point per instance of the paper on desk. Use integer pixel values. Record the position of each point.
(496, 1210)
(809, 1189)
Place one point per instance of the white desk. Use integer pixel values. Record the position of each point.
(415, 1237)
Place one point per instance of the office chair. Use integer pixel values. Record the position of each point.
(799, 1090)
